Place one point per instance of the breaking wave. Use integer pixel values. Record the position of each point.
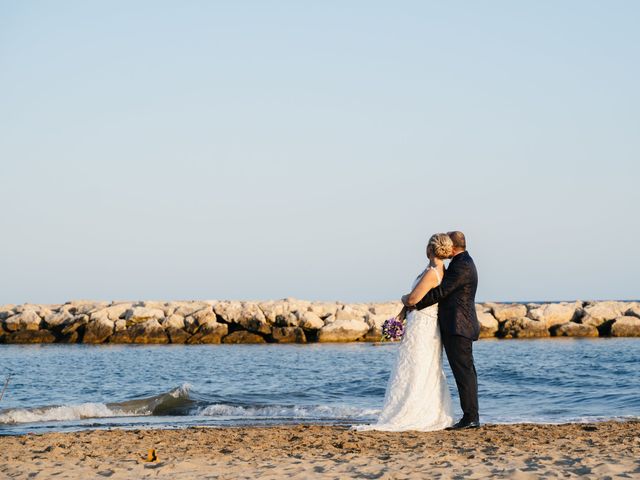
(172, 401)
(178, 402)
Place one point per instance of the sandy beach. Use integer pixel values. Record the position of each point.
(598, 450)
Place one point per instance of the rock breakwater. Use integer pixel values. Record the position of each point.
(289, 321)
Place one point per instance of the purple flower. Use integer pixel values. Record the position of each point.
(392, 329)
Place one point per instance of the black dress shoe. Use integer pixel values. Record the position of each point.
(464, 424)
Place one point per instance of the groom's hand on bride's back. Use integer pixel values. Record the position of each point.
(405, 302)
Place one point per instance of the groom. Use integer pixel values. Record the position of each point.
(459, 325)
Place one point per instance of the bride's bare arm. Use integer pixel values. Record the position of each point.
(426, 283)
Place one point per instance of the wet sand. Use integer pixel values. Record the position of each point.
(599, 450)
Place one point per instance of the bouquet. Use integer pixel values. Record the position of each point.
(393, 328)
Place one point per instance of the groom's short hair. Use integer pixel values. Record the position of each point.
(458, 239)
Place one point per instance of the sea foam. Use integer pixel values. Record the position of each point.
(59, 413)
(329, 412)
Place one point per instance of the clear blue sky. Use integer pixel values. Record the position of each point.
(254, 150)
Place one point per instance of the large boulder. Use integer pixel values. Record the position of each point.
(166, 307)
(11, 324)
(323, 309)
(149, 331)
(29, 336)
(83, 307)
(523, 327)
(553, 314)
(288, 335)
(294, 305)
(344, 330)
(277, 312)
(113, 312)
(291, 319)
(505, 311)
(6, 311)
(241, 336)
(187, 308)
(193, 321)
(374, 334)
(310, 321)
(173, 321)
(329, 319)
(25, 320)
(25, 306)
(349, 312)
(120, 335)
(190, 325)
(72, 329)
(626, 326)
(204, 315)
(58, 318)
(573, 329)
(488, 324)
(252, 319)
(375, 322)
(594, 321)
(98, 330)
(229, 311)
(209, 332)
(179, 336)
(142, 315)
(633, 311)
(387, 309)
(599, 313)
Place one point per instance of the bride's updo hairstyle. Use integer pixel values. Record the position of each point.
(441, 245)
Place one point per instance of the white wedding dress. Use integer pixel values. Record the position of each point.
(417, 395)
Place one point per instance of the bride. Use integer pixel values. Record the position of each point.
(417, 396)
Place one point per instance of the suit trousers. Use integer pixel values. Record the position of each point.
(460, 356)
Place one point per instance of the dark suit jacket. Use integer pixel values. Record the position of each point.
(456, 298)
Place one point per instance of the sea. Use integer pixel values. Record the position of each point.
(75, 387)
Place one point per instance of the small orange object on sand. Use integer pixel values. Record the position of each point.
(152, 455)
